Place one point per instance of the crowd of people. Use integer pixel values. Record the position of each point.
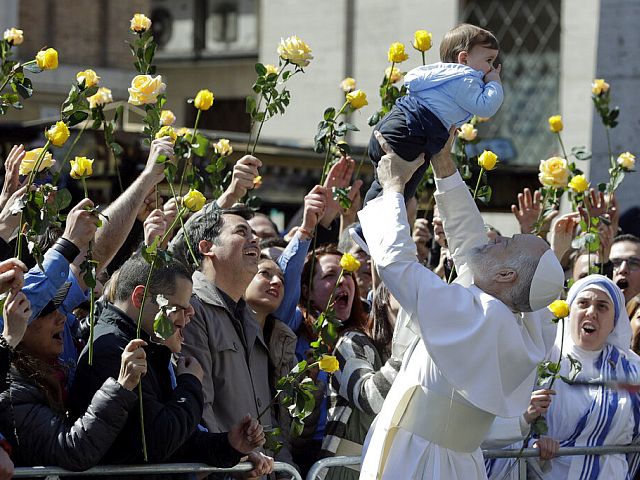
(245, 316)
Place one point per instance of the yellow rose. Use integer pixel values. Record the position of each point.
(29, 161)
(555, 123)
(223, 147)
(295, 51)
(204, 100)
(81, 167)
(468, 132)
(328, 363)
(167, 131)
(599, 86)
(194, 200)
(13, 36)
(488, 160)
(396, 53)
(47, 59)
(145, 89)
(396, 75)
(271, 69)
(579, 183)
(167, 118)
(101, 98)
(559, 308)
(357, 99)
(349, 263)
(348, 85)
(185, 132)
(257, 182)
(140, 23)
(422, 40)
(58, 134)
(554, 172)
(89, 77)
(626, 160)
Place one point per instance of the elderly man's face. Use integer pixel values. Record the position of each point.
(487, 261)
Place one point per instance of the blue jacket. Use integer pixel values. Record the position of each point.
(453, 92)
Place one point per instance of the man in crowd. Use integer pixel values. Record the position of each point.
(625, 257)
(171, 415)
(224, 335)
(477, 344)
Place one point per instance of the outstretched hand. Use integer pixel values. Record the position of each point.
(394, 171)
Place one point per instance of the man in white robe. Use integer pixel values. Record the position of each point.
(476, 350)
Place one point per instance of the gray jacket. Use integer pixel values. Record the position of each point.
(46, 438)
(234, 357)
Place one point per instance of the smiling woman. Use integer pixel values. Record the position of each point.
(34, 408)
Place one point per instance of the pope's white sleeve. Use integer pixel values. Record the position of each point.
(418, 290)
(505, 432)
(463, 224)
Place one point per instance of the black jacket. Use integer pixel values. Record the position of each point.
(171, 415)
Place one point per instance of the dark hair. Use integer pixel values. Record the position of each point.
(379, 327)
(273, 242)
(46, 377)
(357, 319)
(204, 225)
(273, 224)
(135, 271)
(462, 39)
(626, 237)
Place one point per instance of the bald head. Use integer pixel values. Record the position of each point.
(505, 268)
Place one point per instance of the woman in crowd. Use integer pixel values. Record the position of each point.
(350, 314)
(264, 295)
(35, 403)
(598, 335)
(358, 389)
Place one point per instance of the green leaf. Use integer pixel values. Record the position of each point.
(329, 113)
(250, 104)
(24, 88)
(33, 67)
(116, 148)
(62, 199)
(539, 426)
(260, 69)
(581, 153)
(162, 325)
(200, 147)
(77, 117)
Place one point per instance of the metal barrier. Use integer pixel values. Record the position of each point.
(54, 473)
(328, 462)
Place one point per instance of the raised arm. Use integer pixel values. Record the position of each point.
(121, 214)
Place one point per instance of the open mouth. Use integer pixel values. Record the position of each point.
(273, 292)
(57, 336)
(622, 283)
(588, 328)
(252, 252)
(342, 299)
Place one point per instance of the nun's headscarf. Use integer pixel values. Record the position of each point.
(621, 335)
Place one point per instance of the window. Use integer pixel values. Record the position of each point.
(529, 36)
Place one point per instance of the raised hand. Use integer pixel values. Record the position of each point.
(16, 314)
(133, 364)
(81, 224)
(528, 211)
(422, 238)
(12, 275)
(315, 203)
(394, 171)
(244, 172)
(190, 365)
(154, 226)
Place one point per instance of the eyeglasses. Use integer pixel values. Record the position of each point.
(633, 263)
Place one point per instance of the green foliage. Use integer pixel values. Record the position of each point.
(162, 324)
(143, 48)
(608, 114)
(389, 93)
(12, 74)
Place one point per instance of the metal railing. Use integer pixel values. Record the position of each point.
(54, 473)
(339, 461)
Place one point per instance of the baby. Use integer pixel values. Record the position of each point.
(440, 96)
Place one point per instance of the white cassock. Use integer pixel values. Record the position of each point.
(474, 359)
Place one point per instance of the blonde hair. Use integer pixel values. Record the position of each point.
(462, 39)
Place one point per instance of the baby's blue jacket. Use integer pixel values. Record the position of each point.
(453, 92)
